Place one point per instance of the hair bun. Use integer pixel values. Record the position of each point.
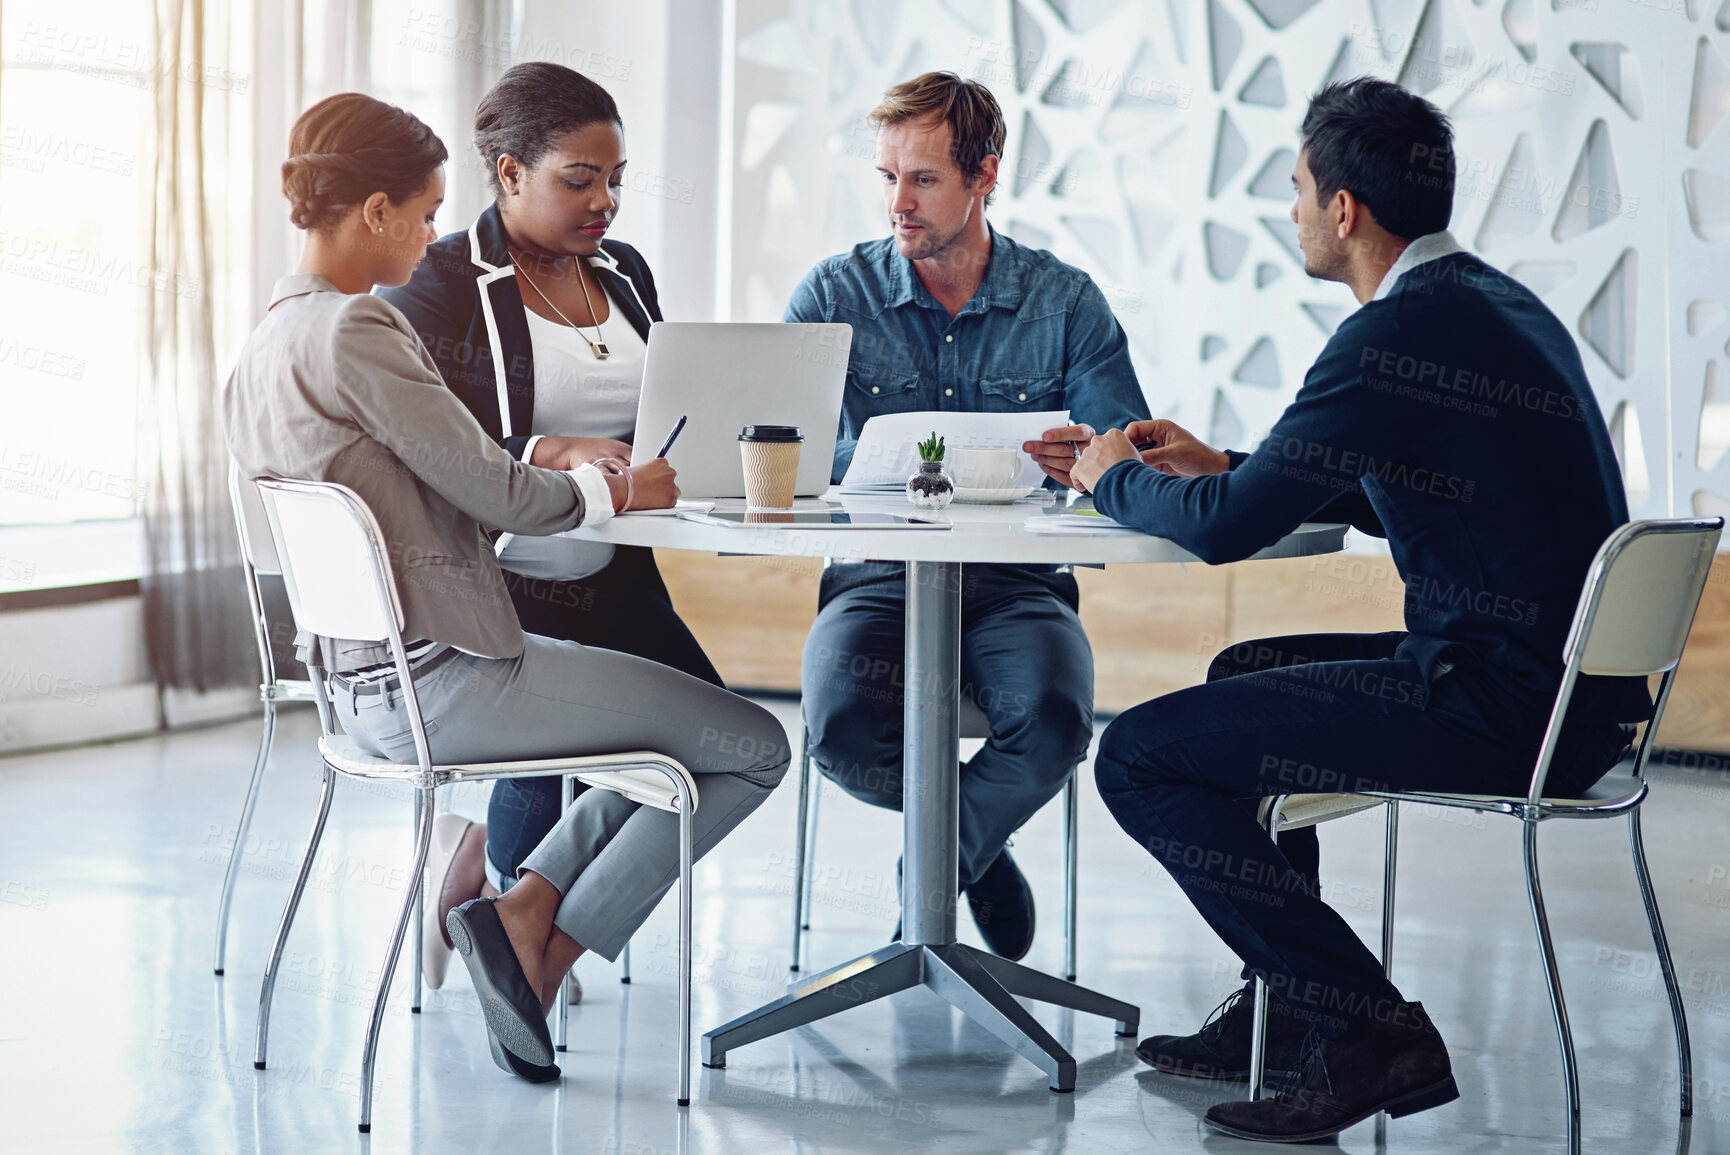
(347, 147)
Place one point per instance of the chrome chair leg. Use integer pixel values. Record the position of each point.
(229, 876)
(1258, 1022)
(1071, 853)
(561, 1024)
(1390, 868)
(369, 1055)
(1684, 1055)
(808, 849)
(625, 964)
(799, 849)
(424, 802)
(268, 988)
(685, 848)
(1553, 978)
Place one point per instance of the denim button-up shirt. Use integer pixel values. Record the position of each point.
(1036, 335)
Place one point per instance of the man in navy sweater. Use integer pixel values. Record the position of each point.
(1451, 415)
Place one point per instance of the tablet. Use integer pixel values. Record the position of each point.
(808, 519)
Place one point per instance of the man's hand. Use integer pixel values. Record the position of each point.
(1101, 454)
(1170, 448)
(653, 486)
(1057, 450)
(570, 452)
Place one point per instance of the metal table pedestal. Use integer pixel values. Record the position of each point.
(979, 984)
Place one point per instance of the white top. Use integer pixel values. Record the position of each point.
(577, 395)
(980, 533)
(1427, 248)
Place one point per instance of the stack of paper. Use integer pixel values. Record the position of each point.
(1083, 524)
(888, 454)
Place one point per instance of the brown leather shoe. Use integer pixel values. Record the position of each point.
(455, 871)
(1396, 1064)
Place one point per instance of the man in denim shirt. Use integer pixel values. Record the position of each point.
(948, 314)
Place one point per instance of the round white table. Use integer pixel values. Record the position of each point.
(982, 986)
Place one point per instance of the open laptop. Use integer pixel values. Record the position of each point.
(725, 376)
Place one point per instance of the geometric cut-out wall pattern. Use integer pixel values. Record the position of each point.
(1616, 68)
(1265, 86)
(1230, 152)
(1273, 180)
(1707, 195)
(1520, 22)
(1607, 325)
(1225, 249)
(1276, 14)
(1705, 316)
(1225, 427)
(1594, 195)
(1226, 40)
(1710, 98)
(1260, 366)
(1714, 418)
(1516, 210)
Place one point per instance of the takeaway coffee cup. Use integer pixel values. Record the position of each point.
(770, 455)
(985, 468)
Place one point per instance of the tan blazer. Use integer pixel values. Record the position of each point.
(337, 387)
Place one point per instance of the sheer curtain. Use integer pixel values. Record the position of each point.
(196, 618)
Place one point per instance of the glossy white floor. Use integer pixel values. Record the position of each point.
(114, 1036)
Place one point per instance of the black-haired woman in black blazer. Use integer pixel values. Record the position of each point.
(539, 322)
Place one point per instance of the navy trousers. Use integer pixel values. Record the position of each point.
(1025, 661)
(1315, 714)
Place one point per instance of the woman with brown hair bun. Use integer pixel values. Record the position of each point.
(335, 386)
(538, 286)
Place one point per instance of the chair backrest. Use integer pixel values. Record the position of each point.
(333, 560)
(1640, 596)
(251, 523)
(1633, 617)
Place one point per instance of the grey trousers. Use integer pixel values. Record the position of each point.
(611, 859)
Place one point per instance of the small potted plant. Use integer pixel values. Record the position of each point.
(931, 487)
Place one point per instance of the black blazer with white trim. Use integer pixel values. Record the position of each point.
(464, 302)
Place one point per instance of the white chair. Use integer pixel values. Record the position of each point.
(340, 586)
(1632, 620)
(258, 559)
(973, 725)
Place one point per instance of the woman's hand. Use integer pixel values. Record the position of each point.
(652, 486)
(570, 452)
(1057, 450)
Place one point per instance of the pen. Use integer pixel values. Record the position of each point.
(678, 428)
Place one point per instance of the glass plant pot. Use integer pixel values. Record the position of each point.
(931, 487)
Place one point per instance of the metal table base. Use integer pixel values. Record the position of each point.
(982, 986)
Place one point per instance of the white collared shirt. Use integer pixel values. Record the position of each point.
(1427, 248)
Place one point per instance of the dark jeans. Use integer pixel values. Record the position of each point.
(1025, 661)
(623, 607)
(1314, 714)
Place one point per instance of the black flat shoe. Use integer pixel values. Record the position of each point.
(1396, 1064)
(1220, 1050)
(522, 1069)
(1002, 906)
(512, 1009)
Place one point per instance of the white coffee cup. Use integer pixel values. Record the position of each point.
(985, 468)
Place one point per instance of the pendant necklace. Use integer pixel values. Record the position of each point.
(596, 344)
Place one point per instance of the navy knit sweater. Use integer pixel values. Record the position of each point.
(1453, 418)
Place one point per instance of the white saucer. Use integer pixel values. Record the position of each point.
(993, 496)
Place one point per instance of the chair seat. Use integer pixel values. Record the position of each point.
(1615, 795)
(640, 775)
